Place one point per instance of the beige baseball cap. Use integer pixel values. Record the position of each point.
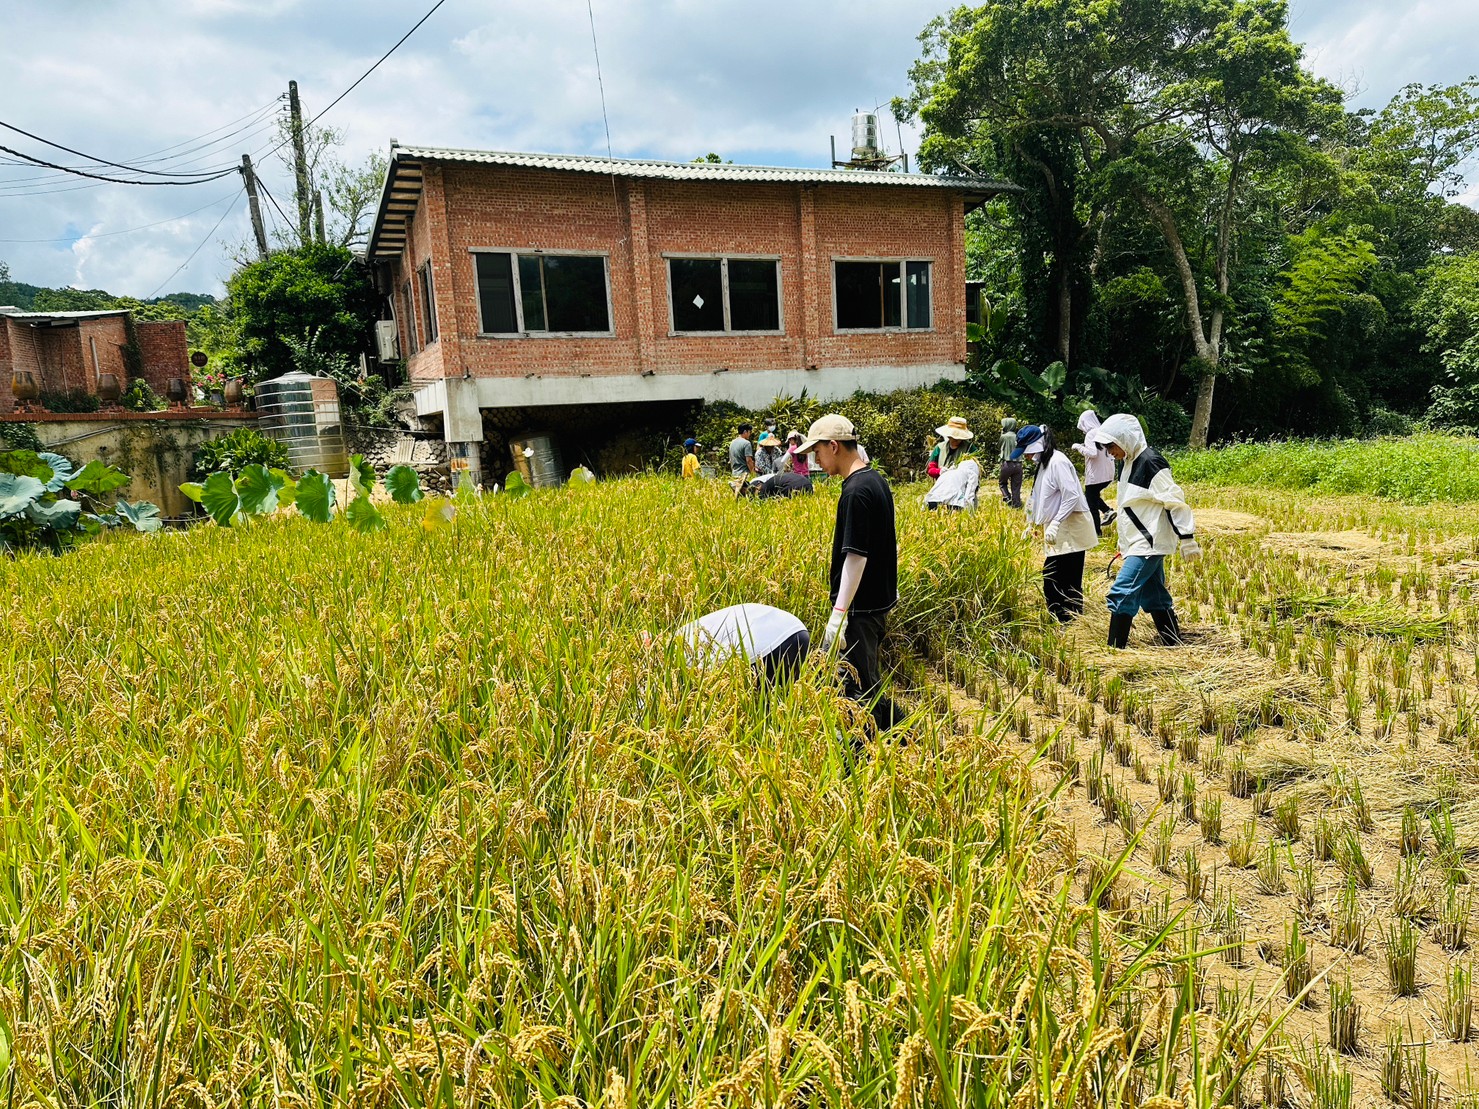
(831, 427)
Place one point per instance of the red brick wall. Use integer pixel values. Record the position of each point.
(106, 337)
(7, 365)
(165, 352)
(467, 207)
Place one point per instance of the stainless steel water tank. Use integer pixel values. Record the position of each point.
(301, 412)
(537, 458)
(865, 142)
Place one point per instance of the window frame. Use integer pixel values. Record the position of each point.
(518, 293)
(426, 282)
(413, 337)
(903, 328)
(723, 260)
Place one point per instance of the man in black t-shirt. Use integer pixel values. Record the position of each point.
(865, 563)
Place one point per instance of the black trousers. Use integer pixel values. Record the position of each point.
(1097, 507)
(864, 639)
(1063, 585)
(782, 663)
(1010, 480)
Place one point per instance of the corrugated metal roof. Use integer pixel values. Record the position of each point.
(58, 317)
(699, 171)
(402, 191)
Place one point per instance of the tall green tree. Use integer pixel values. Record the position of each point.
(1176, 107)
(318, 294)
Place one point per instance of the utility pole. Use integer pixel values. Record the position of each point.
(248, 176)
(300, 165)
(318, 216)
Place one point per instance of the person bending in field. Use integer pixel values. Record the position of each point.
(865, 564)
(771, 639)
(1154, 520)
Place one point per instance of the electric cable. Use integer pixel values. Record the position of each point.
(255, 125)
(90, 157)
(114, 180)
(357, 80)
(229, 209)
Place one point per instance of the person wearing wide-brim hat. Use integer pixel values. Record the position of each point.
(957, 475)
(768, 453)
(954, 445)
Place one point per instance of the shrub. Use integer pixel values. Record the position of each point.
(243, 447)
(70, 400)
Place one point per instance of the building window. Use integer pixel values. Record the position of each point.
(408, 309)
(725, 294)
(428, 301)
(542, 294)
(875, 296)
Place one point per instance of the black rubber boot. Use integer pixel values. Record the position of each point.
(1169, 627)
(1119, 630)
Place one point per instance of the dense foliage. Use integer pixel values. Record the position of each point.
(1197, 210)
(318, 294)
(243, 447)
(48, 503)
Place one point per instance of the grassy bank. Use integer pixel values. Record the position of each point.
(1419, 469)
(292, 815)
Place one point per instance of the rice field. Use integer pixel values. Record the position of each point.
(293, 815)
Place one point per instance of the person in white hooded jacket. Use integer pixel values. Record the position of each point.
(1098, 471)
(1154, 520)
(1058, 506)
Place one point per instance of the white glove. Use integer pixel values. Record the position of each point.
(1190, 548)
(1027, 533)
(1078, 447)
(833, 631)
(1050, 536)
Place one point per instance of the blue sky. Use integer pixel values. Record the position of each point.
(755, 80)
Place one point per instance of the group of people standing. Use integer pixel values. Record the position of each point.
(1070, 517)
(1151, 516)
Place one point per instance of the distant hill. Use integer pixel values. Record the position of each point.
(40, 298)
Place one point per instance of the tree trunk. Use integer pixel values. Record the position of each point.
(1201, 418)
(1065, 313)
(1206, 348)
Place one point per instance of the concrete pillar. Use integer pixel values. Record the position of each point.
(462, 427)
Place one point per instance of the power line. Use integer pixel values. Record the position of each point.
(93, 158)
(286, 222)
(112, 180)
(600, 85)
(125, 231)
(357, 80)
(230, 208)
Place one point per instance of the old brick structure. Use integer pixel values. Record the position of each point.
(69, 350)
(534, 280)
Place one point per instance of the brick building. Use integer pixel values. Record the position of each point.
(68, 351)
(537, 281)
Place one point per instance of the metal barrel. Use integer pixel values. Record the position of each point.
(301, 412)
(537, 458)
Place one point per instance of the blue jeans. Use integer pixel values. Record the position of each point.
(1141, 585)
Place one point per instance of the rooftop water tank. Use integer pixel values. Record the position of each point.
(301, 412)
(537, 458)
(865, 136)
